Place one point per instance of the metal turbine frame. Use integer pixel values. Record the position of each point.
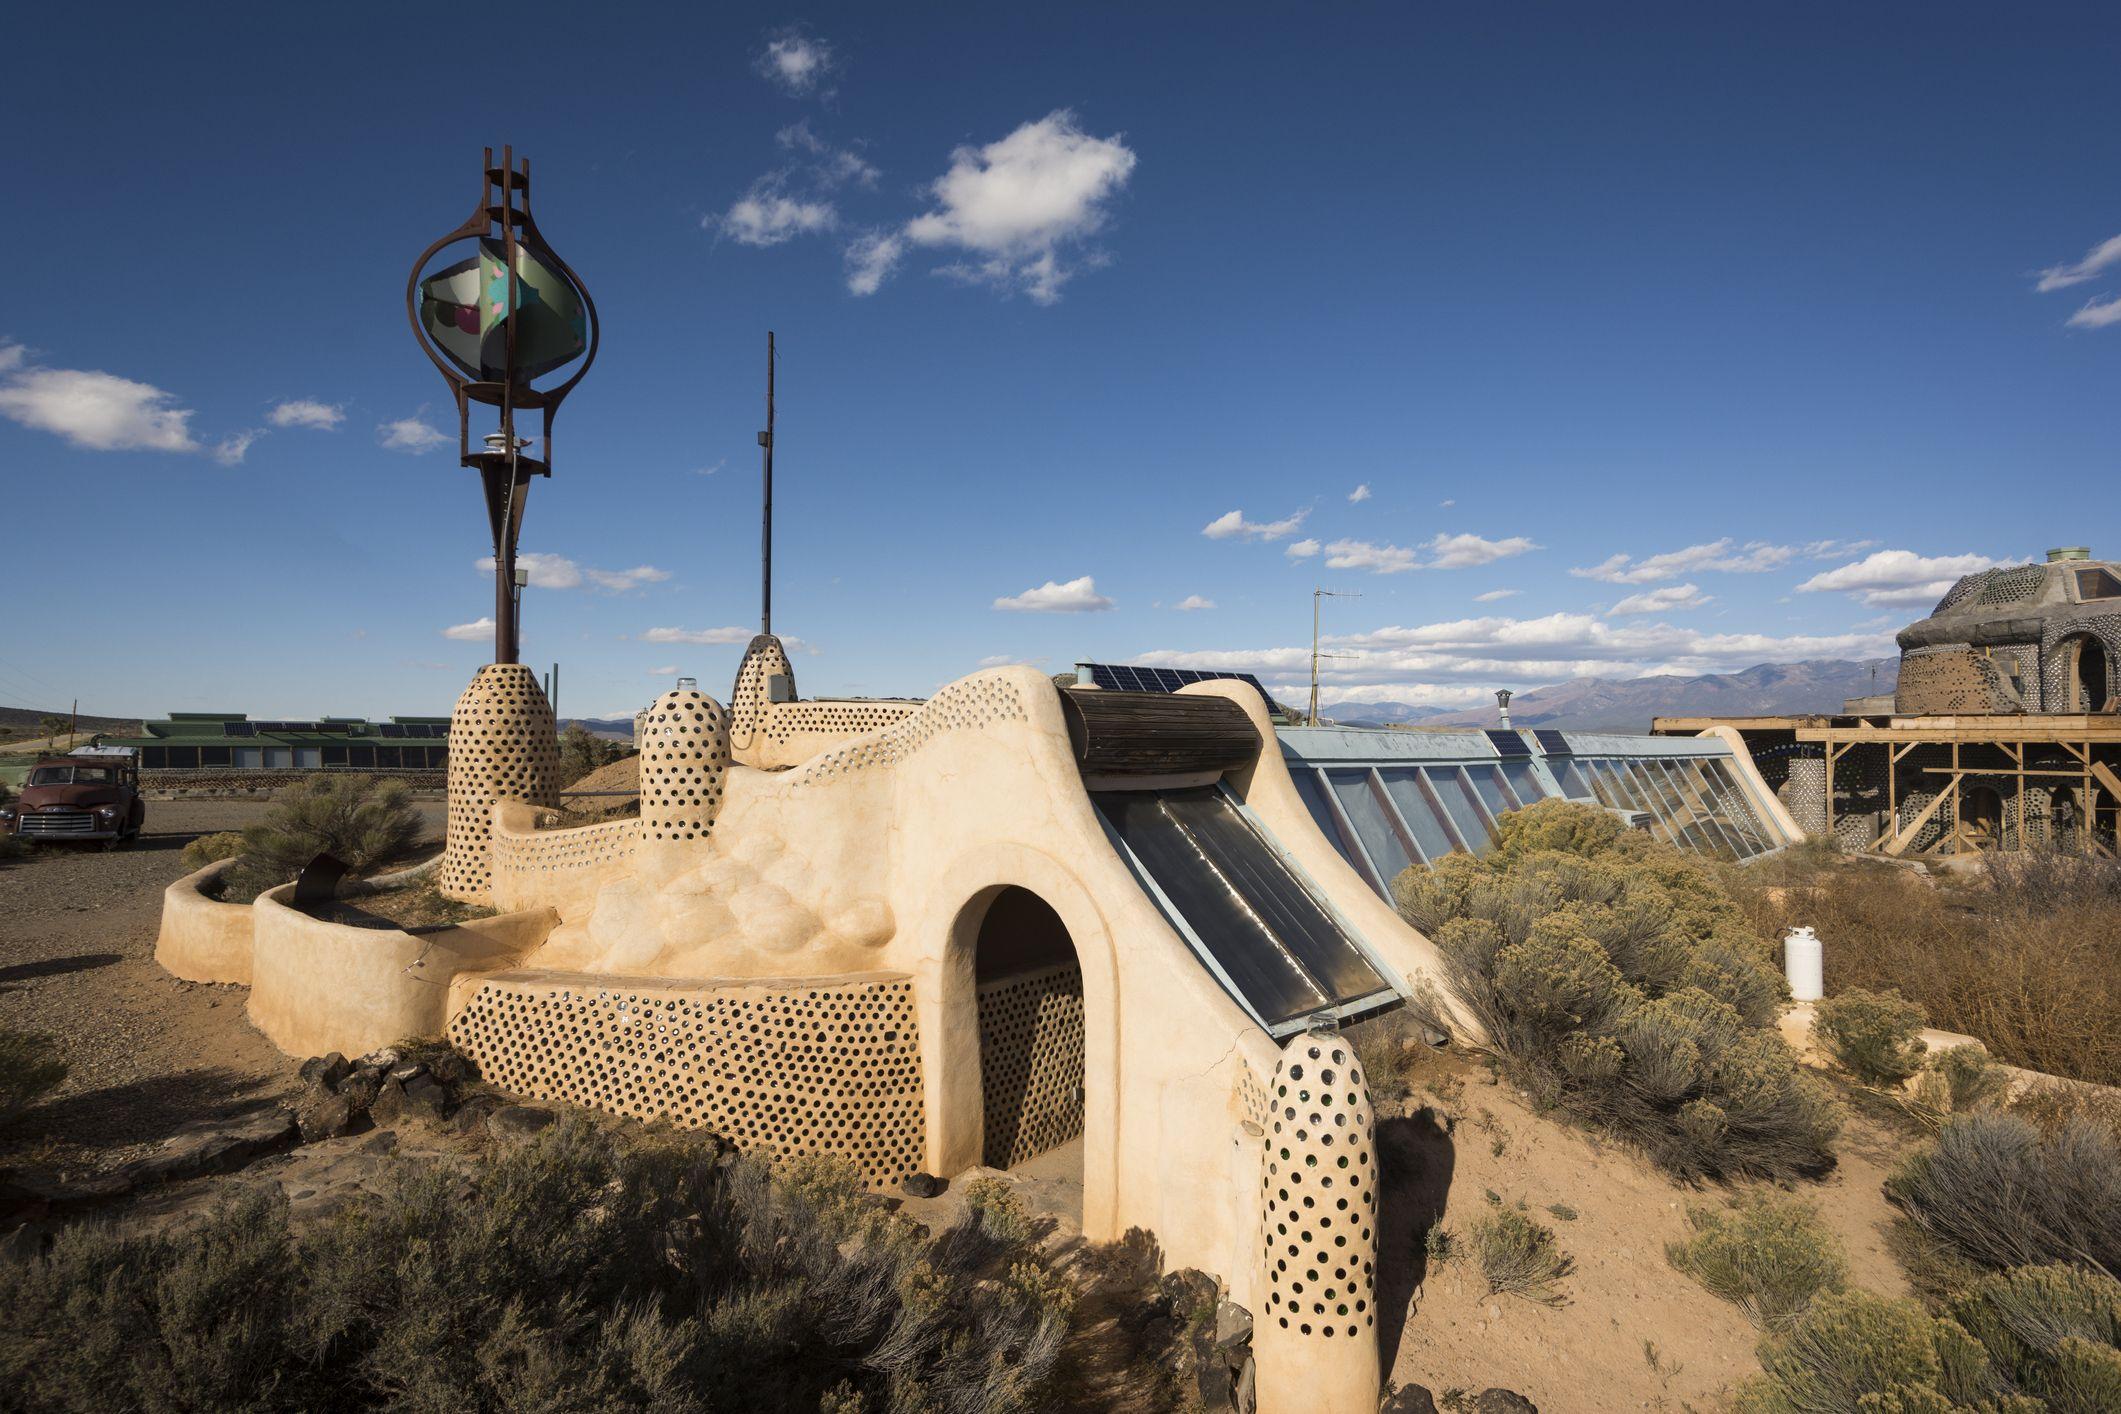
(504, 473)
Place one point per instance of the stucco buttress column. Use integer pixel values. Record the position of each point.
(684, 766)
(1316, 1339)
(502, 746)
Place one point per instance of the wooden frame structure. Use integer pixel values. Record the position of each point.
(2091, 741)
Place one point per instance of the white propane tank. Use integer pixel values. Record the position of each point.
(1803, 962)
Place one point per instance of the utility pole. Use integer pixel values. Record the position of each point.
(73, 728)
(766, 533)
(1316, 595)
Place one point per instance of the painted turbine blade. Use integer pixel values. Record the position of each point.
(465, 310)
(449, 312)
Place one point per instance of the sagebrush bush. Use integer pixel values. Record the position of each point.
(569, 1274)
(210, 849)
(28, 1071)
(2035, 1340)
(1874, 1036)
(364, 822)
(1619, 982)
(1996, 1191)
(1768, 1258)
(1956, 1080)
(1519, 1257)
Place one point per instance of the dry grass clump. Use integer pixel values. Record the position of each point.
(1995, 1191)
(569, 1274)
(1519, 1257)
(2020, 1342)
(211, 849)
(28, 1071)
(1619, 983)
(1875, 1036)
(1769, 1258)
(1955, 1081)
(2022, 960)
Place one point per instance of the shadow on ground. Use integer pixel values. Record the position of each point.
(142, 1111)
(1415, 1160)
(52, 966)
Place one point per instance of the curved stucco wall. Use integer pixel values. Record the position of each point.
(204, 939)
(318, 987)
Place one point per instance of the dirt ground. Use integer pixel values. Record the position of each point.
(147, 1054)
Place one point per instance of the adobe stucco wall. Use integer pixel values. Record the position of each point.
(204, 939)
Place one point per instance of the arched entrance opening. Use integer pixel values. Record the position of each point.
(2087, 675)
(1981, 815)
(1029, 983)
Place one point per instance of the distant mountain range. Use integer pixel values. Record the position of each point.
(610, 728)
(1628, 704)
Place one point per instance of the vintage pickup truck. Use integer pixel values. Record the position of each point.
(91, 793)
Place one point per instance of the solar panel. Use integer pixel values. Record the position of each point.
(1126, 677)
(1552, 743)
(1509, 743)
(239, 729)
(391, 729)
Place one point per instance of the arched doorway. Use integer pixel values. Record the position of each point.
(2087, 686)
(1029, 983)
(1981, 816)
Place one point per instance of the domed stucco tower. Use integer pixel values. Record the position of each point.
(764, 678)
(684, 762)
(502, 746)
(2025, 638)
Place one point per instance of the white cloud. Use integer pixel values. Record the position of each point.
(1894, 577)
(1193, 602)
(410, 435)
(1458, 552)
(1077, 596)
(1495, 595)
(710, 470)
(699, 635)
(306, 412)
(669, 672)
(835, 165)
(546, 571)
(871, 257)
(1015, 205)
(1008, 660)
(1670, 599)
(766, 215)
(1302, 550)
(1359, 494)
(1378, 559)
(478, 628)
(2096, 315)
(1724, 556)
(231, 450)
(620, 580)
(1447, 504)
(12, 355)
(1232, 524)
(99, 411)
(797, 63)
(2059, 277)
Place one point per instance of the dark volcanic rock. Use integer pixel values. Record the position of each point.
(1502, 1401)
(320, 1114)
(220, 1147)
(921, 1185)
(1409, 1399)
(519, 1121)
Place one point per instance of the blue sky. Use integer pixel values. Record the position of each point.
(1577, 342)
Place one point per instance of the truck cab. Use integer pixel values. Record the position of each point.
(91, 793)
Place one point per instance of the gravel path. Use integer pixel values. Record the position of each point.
(146, 1053)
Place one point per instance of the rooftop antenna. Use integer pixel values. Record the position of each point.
(1502, 705)
(766, 533)
(1316, 595)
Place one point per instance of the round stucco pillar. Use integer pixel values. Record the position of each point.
(502, 746)
(751, 699)
(684, 760)
(1316, 1342)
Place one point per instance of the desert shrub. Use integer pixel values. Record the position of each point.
(570, 1273)
(1956, 1080)
(2022, 962)
(581, 752)
(1768, 1258)
(364, 822)
(28, 1071)
(1519, 1257)
(2052, 1332)
(1624, 986)
(1873, 1035)
(1996, 1191)
(1857, 1351)
(208, 849)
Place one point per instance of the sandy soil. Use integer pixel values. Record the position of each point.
(1634, 1333)
(147, 1053)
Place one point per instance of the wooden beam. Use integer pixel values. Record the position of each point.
(1897, 846)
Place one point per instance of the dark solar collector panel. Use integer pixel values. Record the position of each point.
(1509, 743)
(391, 729)
(1125, 677)
(239, 729)
(1551, 743)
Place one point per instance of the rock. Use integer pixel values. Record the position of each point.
(518, 1121)
(360, 1089)
(1233, 1325)
(1244, 1398)
(381, 1060)
(323, 1115)
(326, 1071)
(922, 1185)
(424, 1099)
(452, 1069)
(1434, 1039)
(201, 1149)
(1502, 1401)
(406, 1074)
(388, 1107)
(472, 1115)
(1212, 1376)
(1189, 1291)
(1409, 1399)
(379, 1143)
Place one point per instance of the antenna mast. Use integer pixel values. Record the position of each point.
(1316, 595)
(766, 533)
